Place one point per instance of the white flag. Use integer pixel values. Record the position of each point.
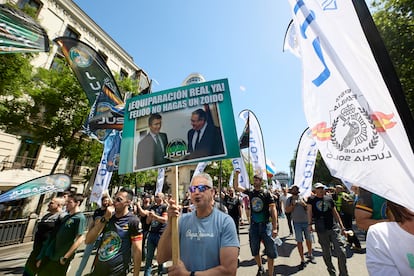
(305, 163)
(231, 179)
(238, 164)
(200, 168)
(105, 167)
(160, 180)
(347, 104)
(291, 40)
(256, 144)
(101, 183)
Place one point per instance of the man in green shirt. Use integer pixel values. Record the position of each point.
(59, 250)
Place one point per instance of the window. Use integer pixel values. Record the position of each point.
(27, 155)
(123, 74)
(70, 32)
(58, 62)
(102, 54)
(31, 7)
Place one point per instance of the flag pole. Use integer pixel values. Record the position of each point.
(175, 243)
(386, 67)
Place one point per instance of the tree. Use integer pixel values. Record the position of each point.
(15, 73)
(395, 22)
(51, 111)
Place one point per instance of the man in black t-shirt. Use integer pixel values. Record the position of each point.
(234, 207)
(321, 209)
(185, 203)
(263, 222)
(157, 217)
(121, 233)
(44, 228)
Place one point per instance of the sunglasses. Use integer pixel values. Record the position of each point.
(118, 199)
(201, 188)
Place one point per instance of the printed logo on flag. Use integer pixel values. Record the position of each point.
(80, 56)
(354, 133)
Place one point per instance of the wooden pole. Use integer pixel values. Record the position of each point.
(175, 243)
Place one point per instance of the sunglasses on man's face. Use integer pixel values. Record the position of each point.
(118, 199)
(201, 188)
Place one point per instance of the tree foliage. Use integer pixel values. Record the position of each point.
(395, 22)
(15, 73)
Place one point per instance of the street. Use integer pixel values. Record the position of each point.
(13, 258)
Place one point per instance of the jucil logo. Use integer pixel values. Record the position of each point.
(176, 150)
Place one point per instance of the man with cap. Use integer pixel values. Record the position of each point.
(263, 222)
(321, 210)
(297, 207)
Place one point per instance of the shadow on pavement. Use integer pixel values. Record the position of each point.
(12, 270)
(245, 263)
(286, 270)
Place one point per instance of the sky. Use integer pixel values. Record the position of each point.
(241, 40)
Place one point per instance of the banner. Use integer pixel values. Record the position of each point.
(20, 33)
(183, 125)
(291, 42)
(160, 180)
(305, 163)
(200, 168)
(238, 165)
(245, 136)
(348, 106)
(99, 85)
(256, 144)
(270, 168)
(44, 184)
(109, 163)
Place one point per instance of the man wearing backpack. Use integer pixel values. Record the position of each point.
(344, 203)
(263, 222)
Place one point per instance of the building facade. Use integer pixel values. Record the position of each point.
(60, 18)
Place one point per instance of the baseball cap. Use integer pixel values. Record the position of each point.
(258, 176)
(319, 185)
(294, 186)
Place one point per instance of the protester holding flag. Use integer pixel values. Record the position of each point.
(208, 239)
(263, 222)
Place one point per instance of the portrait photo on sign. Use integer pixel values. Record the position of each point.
(182, 135)
(184, 125)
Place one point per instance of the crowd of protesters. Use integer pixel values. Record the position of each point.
(132, 233)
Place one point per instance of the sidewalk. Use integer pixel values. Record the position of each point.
(13, 258)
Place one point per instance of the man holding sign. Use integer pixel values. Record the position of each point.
(207, 229)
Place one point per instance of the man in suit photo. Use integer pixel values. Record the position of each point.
(151, 148)
(204, 139)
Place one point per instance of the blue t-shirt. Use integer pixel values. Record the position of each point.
(206, 236)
